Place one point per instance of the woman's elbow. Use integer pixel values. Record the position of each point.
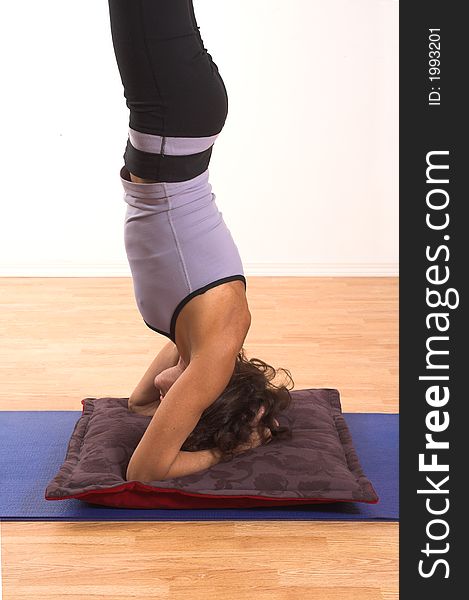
(141, 477)
(135, 474)
(131, 474)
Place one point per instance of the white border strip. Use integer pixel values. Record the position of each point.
(73, 269)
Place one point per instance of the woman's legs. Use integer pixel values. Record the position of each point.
(171, 84)
(177, 243)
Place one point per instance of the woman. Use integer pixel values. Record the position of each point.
(187, 273)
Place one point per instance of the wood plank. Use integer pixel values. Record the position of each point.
(290, 560)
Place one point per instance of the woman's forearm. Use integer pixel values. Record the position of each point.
(146, 391)
(187, 463)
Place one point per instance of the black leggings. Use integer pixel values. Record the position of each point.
(171, 84)
(177, 242)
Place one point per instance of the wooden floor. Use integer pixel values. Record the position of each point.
(64, 339)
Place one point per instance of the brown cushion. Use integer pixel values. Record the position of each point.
(318, 464)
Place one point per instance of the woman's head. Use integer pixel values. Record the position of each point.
(250, 400)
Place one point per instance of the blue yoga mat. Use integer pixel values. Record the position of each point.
(33, 446)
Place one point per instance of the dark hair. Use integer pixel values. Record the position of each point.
(227, 422)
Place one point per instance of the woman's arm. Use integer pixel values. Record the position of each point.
(158, 455)
(187, 463)
(146, 392)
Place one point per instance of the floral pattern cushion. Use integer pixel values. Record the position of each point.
(318, 464)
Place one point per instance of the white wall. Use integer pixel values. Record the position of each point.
(305, 170)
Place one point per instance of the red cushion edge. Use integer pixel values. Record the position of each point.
(134, 494)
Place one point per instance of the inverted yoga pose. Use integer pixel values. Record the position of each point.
(208, 402)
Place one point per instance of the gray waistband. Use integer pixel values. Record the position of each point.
(176, 146)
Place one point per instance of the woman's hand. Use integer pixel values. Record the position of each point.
(145, 392)
(254, 441)
(162, 383)
(164, 380)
